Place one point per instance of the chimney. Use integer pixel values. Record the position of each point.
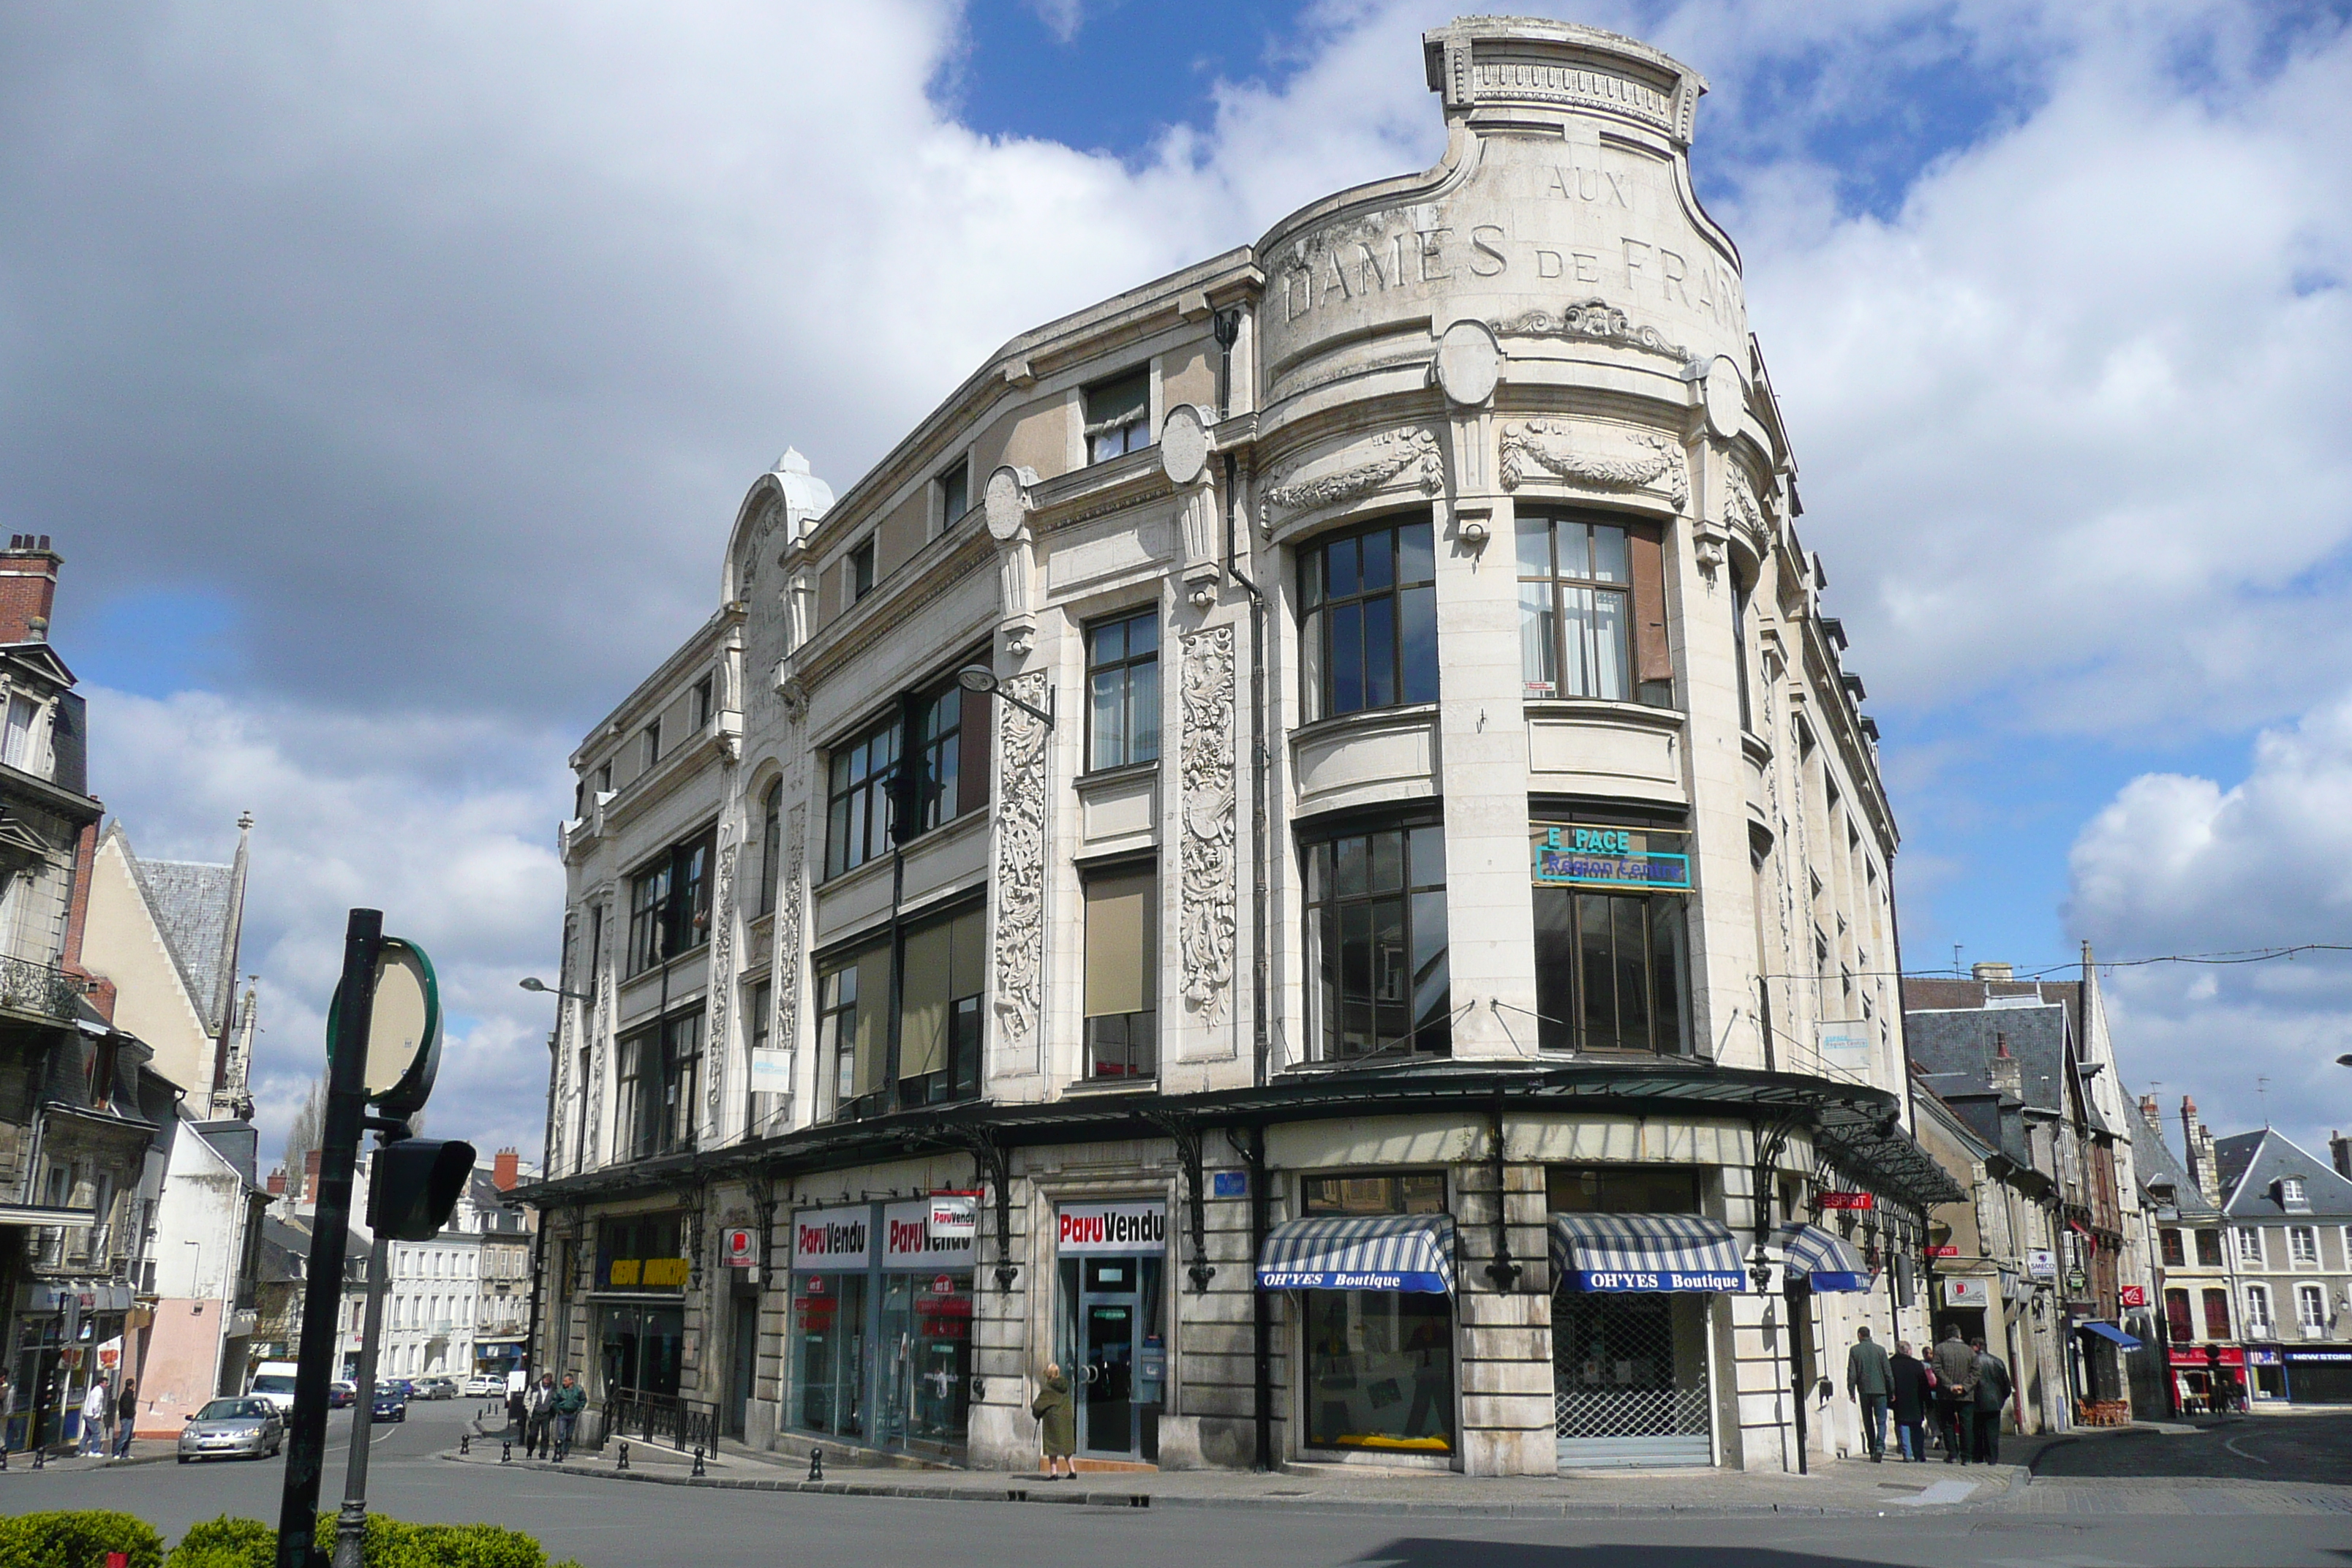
(276, 1183)
(2339, 1149)
(2203, 1164)
(1992, 972)
(505, 1170)
(2007, 1072)
(28, 587)
(2151, 1112)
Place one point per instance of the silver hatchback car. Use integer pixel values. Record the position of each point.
(245, 1428)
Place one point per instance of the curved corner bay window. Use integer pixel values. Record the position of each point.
(1591, 611)
(1611, 971)
(1375, 943)
(1368, 627)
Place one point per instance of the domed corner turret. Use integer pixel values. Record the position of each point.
(807, 496)
(1495, 72)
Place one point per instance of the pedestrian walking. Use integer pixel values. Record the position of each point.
(1871, 1382)
(570, 1401)
(1058, 1424)
(1913, 1393)
(1991, 1395)
(541, 1412)
(96, 1406)
(126, 1418)
(1956, 1388)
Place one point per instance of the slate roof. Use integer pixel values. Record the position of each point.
(1962, 1041)
(2251, 1162)
(2157, 1164)
(193, 904)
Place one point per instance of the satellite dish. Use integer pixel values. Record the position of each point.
(403, 1048)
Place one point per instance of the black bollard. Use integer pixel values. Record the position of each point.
(698, 1461)
(816, 1464)
(625, 1457)
(465, 1442)
(506, 1453)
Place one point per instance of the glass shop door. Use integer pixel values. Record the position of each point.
(1106, 1371)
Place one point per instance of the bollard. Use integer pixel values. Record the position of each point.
(41, 1458)
(506, 1453)
(465, 1442)
(816, 1464)
(625, 1457)
(698, 1461)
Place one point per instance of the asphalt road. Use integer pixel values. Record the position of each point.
(2248, 1449)
(612, 1524)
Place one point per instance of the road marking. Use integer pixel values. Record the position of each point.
(1940, 1492)
(2231, 1444)
(2057, 1563)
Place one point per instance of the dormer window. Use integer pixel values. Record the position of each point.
(2291, 1194)
(24, 717)
(1119, 415)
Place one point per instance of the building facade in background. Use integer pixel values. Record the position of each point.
(2190, 1248)
(2288, 1217)
(1302, 847)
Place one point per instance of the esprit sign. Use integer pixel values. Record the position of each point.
(911, 1241)
(1848, 1201)
(832, 1239)
(1129, 1227)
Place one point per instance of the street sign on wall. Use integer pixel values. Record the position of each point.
(1959, 1292)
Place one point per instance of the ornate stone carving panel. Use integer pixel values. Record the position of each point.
(784, 969)
(1207, 865)
(1621, 461)
(721, 989)
(1592, 319)
(1375, 463)
(1020, 878)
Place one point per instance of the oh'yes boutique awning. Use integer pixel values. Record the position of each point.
(1823, 1257)
(1644, 1252)
(1402, 1252)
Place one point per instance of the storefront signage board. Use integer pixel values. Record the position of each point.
(1848, 1201)
(2041, 1263)
(742, 1247)
(834, 1238)
(1571, 855)
(1628, 1281)
(1133, 1228)
(771, 1070)
(1945, 1249)
(955, 1214)
(910, 1241)
(1229, 1183)
(1960, 1292)
(2132, 1295)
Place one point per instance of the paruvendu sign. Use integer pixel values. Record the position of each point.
(1576, 854)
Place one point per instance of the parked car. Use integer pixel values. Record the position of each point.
(233, 1429)
(435, 1388)
(487, 1385)
(274, 1381)
(341, 1393)
(389, 1406)
(400, 1385)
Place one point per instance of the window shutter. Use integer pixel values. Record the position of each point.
(1651, 658)
(977, 744)
(1118, 927)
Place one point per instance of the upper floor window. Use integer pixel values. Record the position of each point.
(1368, 631)
(1122, 973)
(1123, 690)
(604, 779)
(2178, 1324)
(1376, 940)
(1739, 600)
(660, 1069)
(853, 1030)
(2250, 1246)
(669, 903)
(2217, 1314)
(23, 718)
(2291, 1193)
(954, 487)
(1591, 616)
(2175, 1255)
(2311, 1309)
(1611, 964)
(925, 1046)
(703, 694)
(2258, 1310)
(2303, 1246)
(857, 571)
(1119, 415)
(2209, 1249)
(858, 803)
(939, 756)
(649, 745)
(772, 845)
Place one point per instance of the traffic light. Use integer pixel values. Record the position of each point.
(416, 1183)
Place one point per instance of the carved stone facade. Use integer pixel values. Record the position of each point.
(1019, 937)
(1207, 791)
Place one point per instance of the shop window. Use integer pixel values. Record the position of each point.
(1122, 975)
(642, 1252)
(938, 1031)
(2178, 1326)
(829, 1329)
(1622, 1189)
(1376, 938)
(853, 1031)
(1123, 690)
(927, 1332)
(1410, 1191)
(858, 798)
(1592, 613)
(643, 1350)
(1368, 630)
(2209, 1249)
(2175, 1255)
(771, 846)
(1610, 971)
(669, 903)
(1379, 1371)
(1119, 415)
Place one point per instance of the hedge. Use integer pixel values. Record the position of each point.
(83, 1539)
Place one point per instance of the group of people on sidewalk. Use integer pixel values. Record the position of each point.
(547, 1415)
(109, 1417)
(1961, 1384)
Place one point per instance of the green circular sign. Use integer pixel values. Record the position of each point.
(403, 1048)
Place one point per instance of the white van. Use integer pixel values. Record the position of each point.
(274, 1381)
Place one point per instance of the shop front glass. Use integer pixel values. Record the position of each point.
(643, 1349)
(1111, 1331)
(1380, 1363)
(832, 1253)
(925, 1400)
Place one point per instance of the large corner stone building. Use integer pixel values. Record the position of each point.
(1302, 847)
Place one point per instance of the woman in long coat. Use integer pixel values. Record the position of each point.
(1057, 1423)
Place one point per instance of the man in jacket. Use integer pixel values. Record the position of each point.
(570, 1401)
(1956, 1389)
(1911, 1401)
(1870, 1380)
(1991, 1393)
(542, 1414)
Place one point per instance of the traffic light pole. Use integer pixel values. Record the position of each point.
(306, 1437)
(351, 1524)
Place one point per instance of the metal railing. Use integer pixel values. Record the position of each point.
(682, 1423)
(29, 987)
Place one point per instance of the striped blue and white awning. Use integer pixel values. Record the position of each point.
(1825, 1259)
(1402, 1252)
(1644, 1252)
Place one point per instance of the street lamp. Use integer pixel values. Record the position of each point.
(533, 982)
(2345, 1060)
(981, 679)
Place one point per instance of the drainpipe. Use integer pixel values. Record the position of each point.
(1260, 1044)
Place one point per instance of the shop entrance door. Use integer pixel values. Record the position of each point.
(744, 1363)
(1106, 1371)
(1629, 1380)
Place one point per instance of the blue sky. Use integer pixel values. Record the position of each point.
(390, 380)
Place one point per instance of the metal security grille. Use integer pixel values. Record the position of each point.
(1614, 1370)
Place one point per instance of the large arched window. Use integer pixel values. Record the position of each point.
(772, 845)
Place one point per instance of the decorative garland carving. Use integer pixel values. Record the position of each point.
(1207, 865)
(598, 984)
(1395, 451)
(722, 971)
(1543, 443)
(1592, 319)
(1740, 508)
(1021, 857)
(784, 963)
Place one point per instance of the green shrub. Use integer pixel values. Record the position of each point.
(80, 1540)
(228, 1543)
